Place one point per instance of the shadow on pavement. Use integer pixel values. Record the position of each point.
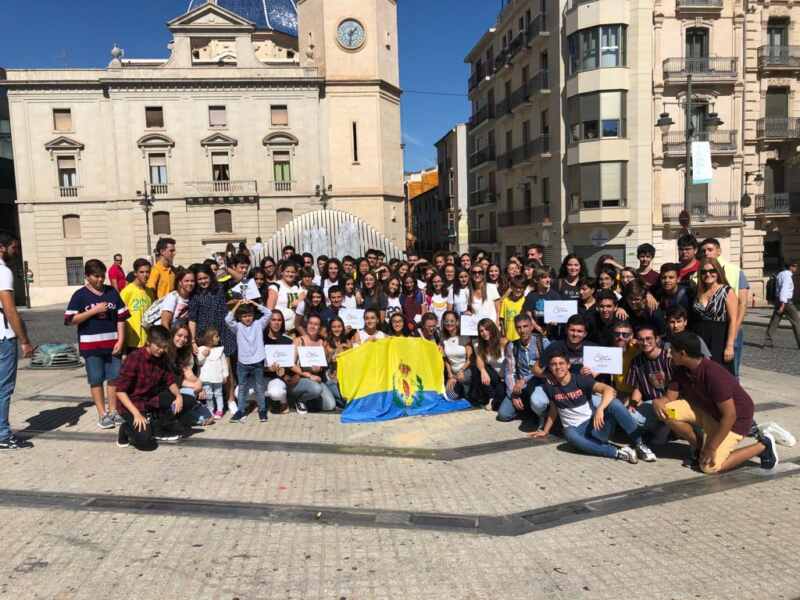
(51, 419)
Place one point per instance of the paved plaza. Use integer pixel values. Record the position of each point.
(455, 506)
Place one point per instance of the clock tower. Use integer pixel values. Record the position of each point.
(353, 46)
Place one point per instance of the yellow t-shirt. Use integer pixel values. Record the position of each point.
(508, 310)
(162, 280)
(137, 300)
(618, 381)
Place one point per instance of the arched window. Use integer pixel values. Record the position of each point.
(161, 225)
(222, 221)
(72, 227)
(283, 217)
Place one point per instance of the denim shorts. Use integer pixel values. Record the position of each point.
(102, 368)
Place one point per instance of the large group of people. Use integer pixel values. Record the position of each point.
(177, 347)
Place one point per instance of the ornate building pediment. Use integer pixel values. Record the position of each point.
(64, 144)
(280, 139)
(156, 141)
(210, 17)
(219, 140)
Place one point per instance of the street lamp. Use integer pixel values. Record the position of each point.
(147, 200)
(746, 201)
(711, 123)
(323, 193)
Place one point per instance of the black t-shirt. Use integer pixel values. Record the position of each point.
(575, 356)
(572, 400)
(534, 303)
(282, 340)
(567, 291)
(602, 332)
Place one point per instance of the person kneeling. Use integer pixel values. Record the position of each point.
(146, 384)
(570, 398)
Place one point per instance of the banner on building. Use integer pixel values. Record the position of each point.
(702, 171)
(392, 378)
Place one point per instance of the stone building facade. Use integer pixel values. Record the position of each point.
(254, 117)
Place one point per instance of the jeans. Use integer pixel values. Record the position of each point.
(789, 311)
(333, 386)
(461, 390)
(100, 369)
(8, 380)
(645, 416)
(316, 396)
(214, 396)
(587, 440)
(250, 376)
(534, 401)
(738, 351)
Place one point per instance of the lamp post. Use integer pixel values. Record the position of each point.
(711, 123)
(746, 200)
(323, 193)
(147, 200)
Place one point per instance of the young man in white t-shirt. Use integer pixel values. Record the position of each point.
(12, 328)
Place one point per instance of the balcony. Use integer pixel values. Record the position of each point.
(533, 215)
(222, 188)
(516, 44)
(479, 197)
(702, 213)
(159, 189)
(503, 108)
(596, 210)
(539, 83)
(525, 153)
(779, 58)
(501, 60)
(699, 6)
(282, 186)
(520, 96)
(484, 155)
(485, 113)
(537, 27)
(786, 203)
(722, 141)
(711, 69)
(778, 128)
(70, 191)
(483, 236)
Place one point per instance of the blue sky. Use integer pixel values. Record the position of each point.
(435, 35)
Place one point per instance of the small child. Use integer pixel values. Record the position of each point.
(213, 370)
(251, 356)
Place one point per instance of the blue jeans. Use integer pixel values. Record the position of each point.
(100, 369)
(316, 396)
(250, 376)
(645, 416)
(8, 380)
(590, 441)
(333, 386)
(738, 351)
(535, 400)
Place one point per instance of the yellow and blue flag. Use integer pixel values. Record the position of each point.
(391, 378)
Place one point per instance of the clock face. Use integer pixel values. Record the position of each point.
(350, 34)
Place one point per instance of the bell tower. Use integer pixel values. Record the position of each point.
(353, 45)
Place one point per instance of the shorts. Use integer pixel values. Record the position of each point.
(681, 410)
(102, 368)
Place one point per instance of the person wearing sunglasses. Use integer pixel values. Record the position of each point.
(623, 338)
(484, 298)
(715, 312)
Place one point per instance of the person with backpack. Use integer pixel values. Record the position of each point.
(783, 304)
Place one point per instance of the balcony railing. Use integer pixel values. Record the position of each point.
(721, 212)
(778, 128)
(159, 189)
(478, 197)
(539, 83)
(712, 67)
(503, 108)
(722, 141)
(483, 236)
(538, 26)
(524, 153)
(484, 113)
(70, 191)
(700, 4)
(483, 155)
(779, 57)
(501, 60)
(282, 186)
(520, 96)
(784, 203)
(526, 216)
(222, 188)
(578, 204)
(516, 44)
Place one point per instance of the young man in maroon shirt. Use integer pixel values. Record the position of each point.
(687, 253)
(716, 403)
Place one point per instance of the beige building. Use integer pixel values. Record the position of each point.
(452, 160)
(255, 117)
(564, 148)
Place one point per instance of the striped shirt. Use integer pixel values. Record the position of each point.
(97, 336)
(650, 376)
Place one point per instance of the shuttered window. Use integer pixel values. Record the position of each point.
(154, 116)
(222, 221)
(62, 119)
(283, 217)
(217, 116)
(161, 224)
(279, 115)
(72, 227)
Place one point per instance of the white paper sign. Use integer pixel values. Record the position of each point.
(559, 311)
(248, 291)
(352, 317)
(469, 325)
(702, 171)
(282, 354)
(312, 356)
(603, 359)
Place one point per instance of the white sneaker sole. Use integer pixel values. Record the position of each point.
(782, 437)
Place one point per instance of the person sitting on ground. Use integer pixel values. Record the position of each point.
(250, 355)
(585, 427)
(306, 385)
(274, 374)
(146, 385)
(648, 376)
(458, 360)
(181, 360)
(717, 404)
(523, 396)
(488, 387)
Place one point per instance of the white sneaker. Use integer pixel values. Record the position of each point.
(643, 452)
(300, 407)
(627, 454)
(782, 437)
(232, 407)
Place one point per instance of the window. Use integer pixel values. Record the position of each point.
(355, 142)
(596, 115)
(222, 221)
(510, 199)
(75, 274)
(220, 169)
(279, 116)
(596, 185)
(527, 198)
(546, 191)
(597, 48)
(217, 116)
(283, 216)
(153, 117)
(281, 166)
(71, 225)
(62, 119)
(161, 224)
(67, 172)
(158, 169)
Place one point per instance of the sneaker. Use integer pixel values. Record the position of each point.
(217, 414)
(13, 443)
(168, 437)
(627, 454)
(782, 437)
(238, 417)
(769, 457)
(645, 453)
(232, 407)
(301, 408)
(118, 420)
(262, 416)
(122, 439)
(106, 422)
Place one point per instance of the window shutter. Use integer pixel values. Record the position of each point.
(158, 160)
(72, 227)
(216, 116)
(280, 115)
(611, 180)
(283, 217)
(154, 116)
(611, 105)
(161, 224)
(222, 221)
(219, 158)
(62, 119)
(66, 162)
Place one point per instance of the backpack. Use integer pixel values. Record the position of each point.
(772, 288)
(153, 314)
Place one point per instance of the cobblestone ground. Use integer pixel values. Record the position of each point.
(280, 510)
